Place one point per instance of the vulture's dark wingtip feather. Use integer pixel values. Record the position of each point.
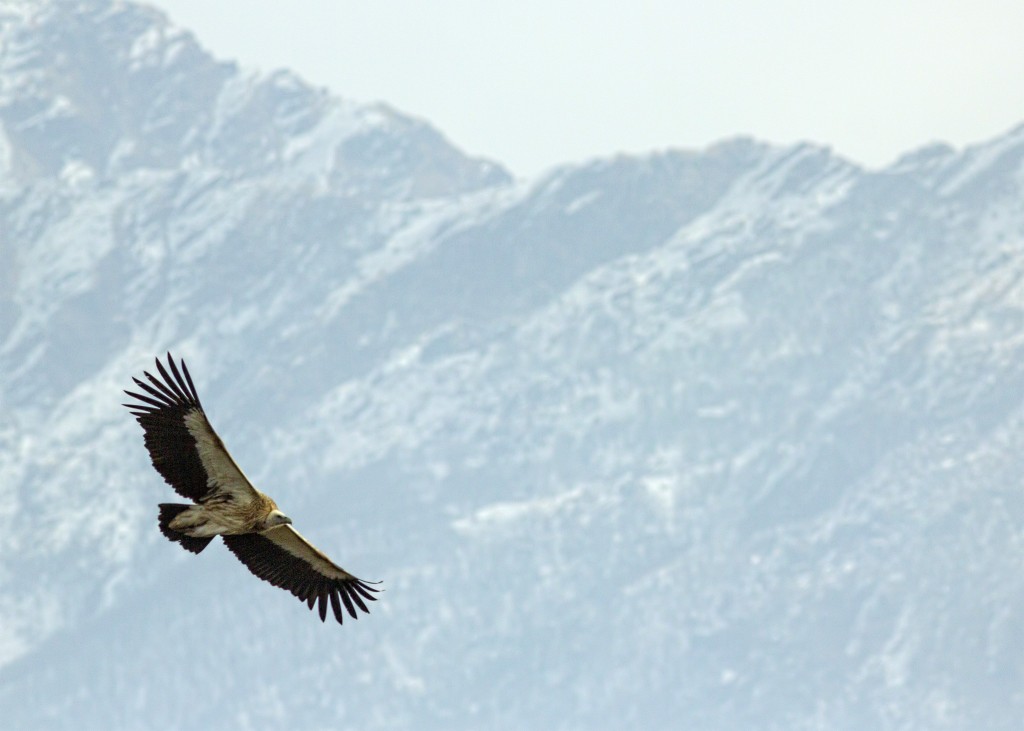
(145, 399)
(153, 392)
(361, 587)
(191, 386)
(336, 606)
(170, 382)
(348, 603)
(186, 395)
(167, 392)
(354, 596)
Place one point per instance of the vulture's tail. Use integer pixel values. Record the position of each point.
(168, 512)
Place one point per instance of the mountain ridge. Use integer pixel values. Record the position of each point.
(721, 438)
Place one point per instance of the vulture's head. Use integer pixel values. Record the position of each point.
(275, 518)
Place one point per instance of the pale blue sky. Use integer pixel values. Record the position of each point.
(535, 83)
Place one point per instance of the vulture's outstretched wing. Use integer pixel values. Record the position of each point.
(183, 446)
(286, 559)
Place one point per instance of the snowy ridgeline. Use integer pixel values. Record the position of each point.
(718, 439)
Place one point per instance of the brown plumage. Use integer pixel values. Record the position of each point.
(192, 459)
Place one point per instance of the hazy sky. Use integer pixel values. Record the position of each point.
(535, 83)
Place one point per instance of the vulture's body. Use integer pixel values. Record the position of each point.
(192, 459)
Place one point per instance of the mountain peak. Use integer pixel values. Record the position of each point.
(113, 86)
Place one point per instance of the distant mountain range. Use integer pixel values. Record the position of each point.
(719, 439)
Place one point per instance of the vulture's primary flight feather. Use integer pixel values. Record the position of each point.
(192, 459)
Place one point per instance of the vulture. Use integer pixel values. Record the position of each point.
(190, 456)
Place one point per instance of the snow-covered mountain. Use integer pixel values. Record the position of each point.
(728, 439)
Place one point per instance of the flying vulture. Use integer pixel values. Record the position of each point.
(192, 459)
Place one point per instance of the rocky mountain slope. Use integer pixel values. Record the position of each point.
(716, 439)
